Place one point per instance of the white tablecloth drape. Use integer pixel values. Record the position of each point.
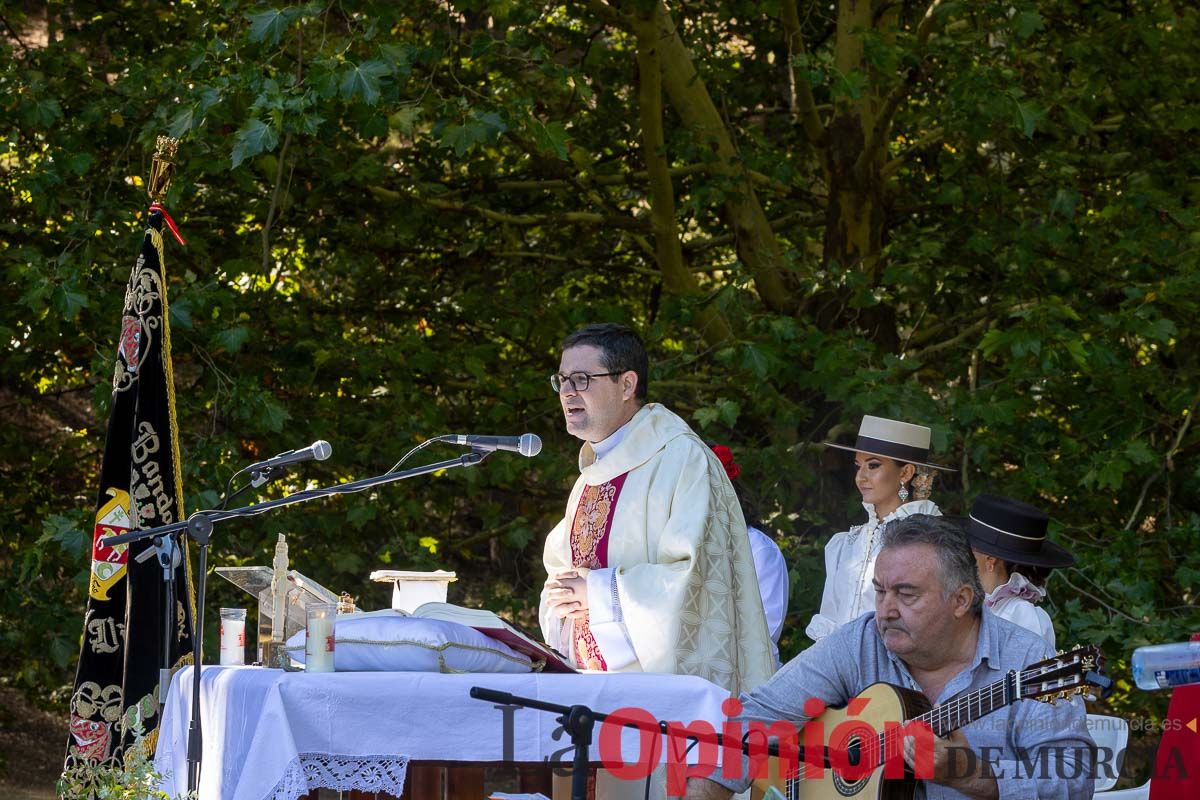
(275, 735)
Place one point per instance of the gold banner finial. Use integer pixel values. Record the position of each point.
(163, 168)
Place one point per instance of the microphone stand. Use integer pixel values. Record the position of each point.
(169, 554)
(579, 720)
(202, 534)
(199, 526)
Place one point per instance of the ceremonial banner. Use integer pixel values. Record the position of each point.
(116, 684)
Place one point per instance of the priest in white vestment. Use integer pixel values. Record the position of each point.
(651, 568)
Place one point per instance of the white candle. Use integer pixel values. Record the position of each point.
(233, 636)
(319, 637)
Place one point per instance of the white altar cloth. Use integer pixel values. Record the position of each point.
(276, 735)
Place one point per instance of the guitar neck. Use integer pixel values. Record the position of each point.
(965, 709)
(955, 713)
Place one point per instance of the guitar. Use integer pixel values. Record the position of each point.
(882, 704)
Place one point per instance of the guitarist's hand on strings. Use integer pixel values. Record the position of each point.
(953, 765)
(567, 593)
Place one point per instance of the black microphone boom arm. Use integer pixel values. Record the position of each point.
(465, 460)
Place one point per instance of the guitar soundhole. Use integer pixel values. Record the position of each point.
(853, 757)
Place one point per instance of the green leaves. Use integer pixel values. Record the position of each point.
(455, 198)
(232, 339)
(1027, 116)
(362, 81)
(724, 412)
(1028, 23)
(482, 127)
(253, 138)
(270, 25)
(551, 138)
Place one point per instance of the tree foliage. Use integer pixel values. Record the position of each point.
(981, 216)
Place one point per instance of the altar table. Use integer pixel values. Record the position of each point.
(275, 735)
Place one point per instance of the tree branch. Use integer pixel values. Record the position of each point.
(800, 96)
(1167, 461)
(897, 96)
(793, 218)
(965, 333)
(266, 230)
(16, 37)
(1115, 611)
(892, 167)
(568, 217)
(628, 179)
(757, 246)
(668, 251)
(609, 15)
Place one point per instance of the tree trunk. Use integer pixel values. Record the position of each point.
(677, 278)
(857, 153)
(757, 246)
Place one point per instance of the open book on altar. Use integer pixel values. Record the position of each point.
(489, 624)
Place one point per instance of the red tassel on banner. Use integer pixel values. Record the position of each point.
(170, 222)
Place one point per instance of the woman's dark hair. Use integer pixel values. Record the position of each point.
(1036, 575)
(749, 507)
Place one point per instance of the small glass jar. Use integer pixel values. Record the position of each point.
(233, 636)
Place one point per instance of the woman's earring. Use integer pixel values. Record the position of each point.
(903, 493)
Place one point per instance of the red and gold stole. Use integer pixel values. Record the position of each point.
(589, 548)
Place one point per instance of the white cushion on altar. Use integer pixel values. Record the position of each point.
(389, 641)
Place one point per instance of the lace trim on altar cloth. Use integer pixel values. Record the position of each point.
(308, 771)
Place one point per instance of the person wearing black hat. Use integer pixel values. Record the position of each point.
(893, 473)
(1014, 558)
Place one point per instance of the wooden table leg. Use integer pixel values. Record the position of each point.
(424, 782)
(464, 783)
(536, 779)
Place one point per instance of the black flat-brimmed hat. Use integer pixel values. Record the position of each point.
(1014, 531)
(901, 441)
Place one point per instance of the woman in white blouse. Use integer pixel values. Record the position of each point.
(1014, 559)
(893, 474)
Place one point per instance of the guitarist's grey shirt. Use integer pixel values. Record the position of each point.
(853, 657)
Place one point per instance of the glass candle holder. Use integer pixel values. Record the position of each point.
(319, 637)
(233, 636)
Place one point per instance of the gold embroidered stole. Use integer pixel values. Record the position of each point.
(589, 548)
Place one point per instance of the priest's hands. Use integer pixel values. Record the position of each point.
(566, 593)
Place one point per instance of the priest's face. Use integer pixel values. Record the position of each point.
(609, 401)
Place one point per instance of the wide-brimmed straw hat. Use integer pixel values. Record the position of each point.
(889, 438)
(1014, 531)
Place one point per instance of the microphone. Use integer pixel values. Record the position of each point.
(317, 451)
(527, 444)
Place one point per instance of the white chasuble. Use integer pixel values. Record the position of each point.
(675, 590)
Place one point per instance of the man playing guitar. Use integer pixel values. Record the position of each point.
(930, 634)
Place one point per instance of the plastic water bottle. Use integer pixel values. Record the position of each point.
(1163, 666)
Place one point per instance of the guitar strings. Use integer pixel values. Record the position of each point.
(890, 743)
